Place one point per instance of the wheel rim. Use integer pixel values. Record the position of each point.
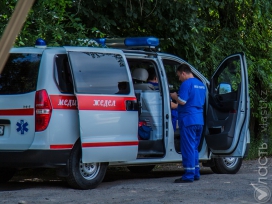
(89, 170)
(230, 162)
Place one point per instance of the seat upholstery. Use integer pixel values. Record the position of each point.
(140, 76)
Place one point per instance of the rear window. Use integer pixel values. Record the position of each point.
(20, 74)
(99, 73)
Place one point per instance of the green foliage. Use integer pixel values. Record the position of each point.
(53, 20)
(200, 31)
(257, 146)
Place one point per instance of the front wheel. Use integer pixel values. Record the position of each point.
(84, 175)
(227, 165)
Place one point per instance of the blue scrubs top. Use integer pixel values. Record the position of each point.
(155, 84)
(192, 92)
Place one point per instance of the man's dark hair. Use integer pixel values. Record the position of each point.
(184, 68)
(151, 74)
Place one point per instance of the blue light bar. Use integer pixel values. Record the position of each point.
(101, 41)
(142, 41)
(40, 43)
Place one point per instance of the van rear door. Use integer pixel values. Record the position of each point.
(108, 115)
(18, 82)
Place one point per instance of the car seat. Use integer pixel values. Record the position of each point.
(139, 77)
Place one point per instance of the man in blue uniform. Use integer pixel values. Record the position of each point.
(190, 99)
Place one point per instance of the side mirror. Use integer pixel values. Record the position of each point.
(224, 88)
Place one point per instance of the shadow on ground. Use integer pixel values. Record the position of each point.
(46, 178)
(113, 175)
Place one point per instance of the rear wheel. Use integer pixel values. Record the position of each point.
(141, 169)
(227, 165)
(6, 174)
(84, 175)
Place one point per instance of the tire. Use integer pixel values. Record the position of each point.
(227, 165)
(84, 175)
(141, 169)
(6, 174)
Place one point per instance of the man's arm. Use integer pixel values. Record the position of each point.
(173, 105)
(176, 98)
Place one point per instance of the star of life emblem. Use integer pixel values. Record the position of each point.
(22, 127)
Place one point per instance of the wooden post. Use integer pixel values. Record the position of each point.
(13, 29)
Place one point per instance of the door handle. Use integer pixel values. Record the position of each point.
(132, 105)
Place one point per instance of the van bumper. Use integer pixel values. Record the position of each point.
(34, 158)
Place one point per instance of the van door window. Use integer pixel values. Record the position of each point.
(20, 74)
(99, 73)
(227, 82)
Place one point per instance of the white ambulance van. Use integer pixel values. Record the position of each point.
(78, 109)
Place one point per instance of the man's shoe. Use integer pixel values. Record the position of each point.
(179, 180)
(195, 178)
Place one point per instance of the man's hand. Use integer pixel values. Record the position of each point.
(174, 96)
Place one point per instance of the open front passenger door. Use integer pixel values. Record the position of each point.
(106, 104)
(228, 111)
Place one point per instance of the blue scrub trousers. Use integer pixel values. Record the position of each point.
(189, 142)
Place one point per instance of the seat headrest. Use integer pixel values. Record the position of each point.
(140, 74)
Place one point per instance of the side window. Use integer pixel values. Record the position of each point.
(170, 69)
(150, 76)
(229, 79)
(63, 75)
(99, 73)
(20, 74)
